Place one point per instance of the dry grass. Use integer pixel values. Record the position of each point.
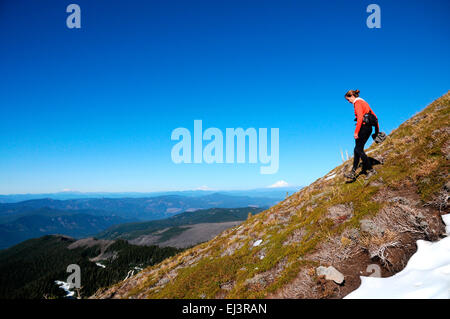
(302, 287)
(377, 245)
(426, 167)
(337, 248)
(295, 237)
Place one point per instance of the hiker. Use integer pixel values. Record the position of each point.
(365, 118)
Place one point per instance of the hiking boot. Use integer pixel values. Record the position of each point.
(369, 172)
(350, 175)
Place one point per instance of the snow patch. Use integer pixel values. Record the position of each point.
(100, 265)
(131, 272)
(446, 219)
(66, 287)
(427, 275)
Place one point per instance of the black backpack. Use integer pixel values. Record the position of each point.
(370, 119)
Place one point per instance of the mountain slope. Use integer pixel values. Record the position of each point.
(372, 223)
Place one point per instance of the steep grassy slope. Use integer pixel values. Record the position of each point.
(349, 226)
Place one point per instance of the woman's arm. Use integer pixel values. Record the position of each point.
(359, 117)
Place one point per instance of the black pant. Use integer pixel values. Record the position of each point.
(363, 136)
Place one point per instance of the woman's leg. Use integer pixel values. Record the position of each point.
(364, 135)
(356, 156)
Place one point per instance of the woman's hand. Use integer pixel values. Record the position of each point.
(355, 136)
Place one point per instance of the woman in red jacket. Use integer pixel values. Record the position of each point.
(362, 133)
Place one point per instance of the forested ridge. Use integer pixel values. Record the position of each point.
(29, 270)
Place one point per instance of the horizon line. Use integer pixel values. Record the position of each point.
(158, 191)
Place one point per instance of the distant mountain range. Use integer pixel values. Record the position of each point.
(277, 193)
(147, 208)
(89, 216)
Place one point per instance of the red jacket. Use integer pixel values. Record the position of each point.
(361, 108)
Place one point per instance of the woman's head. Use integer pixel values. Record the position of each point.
(351, 95)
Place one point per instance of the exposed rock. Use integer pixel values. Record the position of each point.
(229, 249)
(446, 150)
(163, 281)
(295, 237)
(400, 200)
(341, 212)
(266, 278)
(227, 285)
(447, 186)
(330, 273)
(256, 280)
(262, 253)
(352, 233)
(371, 227)
(317, 196)
(377, 183)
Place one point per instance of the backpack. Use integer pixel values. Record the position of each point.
(370, 119)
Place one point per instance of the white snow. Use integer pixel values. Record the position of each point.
(330, 177)
(100, 265)
(66, 287)
(446, 219)
(257, 243)
(426, 276)
(131, 272)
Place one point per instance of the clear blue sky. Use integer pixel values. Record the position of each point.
(93, 109)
